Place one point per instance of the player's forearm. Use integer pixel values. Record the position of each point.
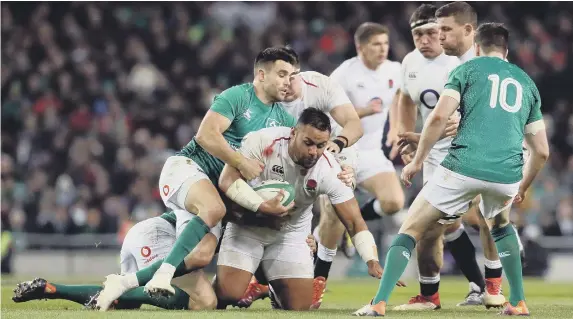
(533, 165)
(431, 133)
(353, 131)
(407, 114)
(215, 144)
(393, 115)
(364, 111)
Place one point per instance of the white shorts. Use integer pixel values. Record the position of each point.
(432, 163)
(372, 162)
(177, 176)
(283, 254)
(451, 193)
(145, 243)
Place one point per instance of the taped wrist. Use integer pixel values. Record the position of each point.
(365, 245)
(241, 193)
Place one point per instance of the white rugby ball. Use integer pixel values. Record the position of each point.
(271, 188)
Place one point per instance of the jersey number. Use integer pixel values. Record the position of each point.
(499, 93)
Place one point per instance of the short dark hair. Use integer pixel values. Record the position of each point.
(273, 54)
(422, 15)
(462, 12)
(492, 36)
(367, 30)
(315, 118)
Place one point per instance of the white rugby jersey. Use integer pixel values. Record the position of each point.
(321, 92)
(363, 85)
(270, 146)
(423, 80)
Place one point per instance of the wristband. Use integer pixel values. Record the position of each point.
(339, 143)
(344, 137)
(365, 246)
(241, 193)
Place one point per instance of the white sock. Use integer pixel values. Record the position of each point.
(131, 280)
(429, 280)
(492, 264)
(326, 254)
(448, 238)
(166, 268)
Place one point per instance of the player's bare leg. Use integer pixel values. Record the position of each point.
(230, 285)
(330, 230)
(388, 192)
(292, 293)
(507, 244)
(198, 287)
(422, 216)
(430, 252)
(203, 200)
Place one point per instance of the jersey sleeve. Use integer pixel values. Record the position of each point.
(337, 76)
(253, 146)
(455, 84)
(335, 189)
(227, 103)
(399, 75)
(334, 94)
(535, 113)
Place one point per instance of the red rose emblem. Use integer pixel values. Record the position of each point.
(311, 185)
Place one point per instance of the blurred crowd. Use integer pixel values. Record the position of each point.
(95, 96)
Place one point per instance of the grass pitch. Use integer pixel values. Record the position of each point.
(544, 299)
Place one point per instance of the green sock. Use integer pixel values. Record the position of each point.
(397, 259)
(191, 235)
(76, 293)
(508, 250)
(176, 302)
(144, 275)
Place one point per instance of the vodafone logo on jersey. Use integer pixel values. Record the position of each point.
(165, 190)
(145, 251)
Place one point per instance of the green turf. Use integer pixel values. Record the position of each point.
(545, 300)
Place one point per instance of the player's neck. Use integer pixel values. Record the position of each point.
(370, 66)
(465, 49)
(495, 54)
(260, 93)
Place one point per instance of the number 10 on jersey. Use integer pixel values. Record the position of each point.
(498, 93)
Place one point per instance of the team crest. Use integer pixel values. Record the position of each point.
(311, 185)
(271, 123)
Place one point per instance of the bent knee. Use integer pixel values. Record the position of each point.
(392, 206)
(206, 302)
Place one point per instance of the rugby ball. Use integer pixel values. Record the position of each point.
(271, 188)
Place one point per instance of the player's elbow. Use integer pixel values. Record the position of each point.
(225, 181)
(542, 153)
(358, 129)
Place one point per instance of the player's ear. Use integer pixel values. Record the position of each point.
(468, 29)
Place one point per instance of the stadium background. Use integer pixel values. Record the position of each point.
(95, 97)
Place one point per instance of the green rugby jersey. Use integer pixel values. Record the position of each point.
(497, 101)
(247, 114)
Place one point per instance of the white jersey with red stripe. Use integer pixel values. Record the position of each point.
(320, 92)
(270, 146)
(363, 85)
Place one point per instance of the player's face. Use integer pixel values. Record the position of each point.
(295, 89)
(451, 36)
(426, 40)
(307, 145)
(376, 50)
(277, 80)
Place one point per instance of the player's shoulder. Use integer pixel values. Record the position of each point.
(347, 66)
(238, 91)
(412, 57)
(269, 134)
(315, 79)
(327, 163)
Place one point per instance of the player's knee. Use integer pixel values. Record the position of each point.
(205, 302)
(392, 206)
(228, 291)
(213, 214)
(453, 227)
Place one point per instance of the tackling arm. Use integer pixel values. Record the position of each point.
(210, 137)
(349, 214)
(345, 115)
(536, 139)
(436, 123)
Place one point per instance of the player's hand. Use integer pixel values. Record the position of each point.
(347, 175)
(520, 197)
(311, 241)
(452, 126)
(332, 147)
(409, 137)
(275, 207)
(375, 106)
(409, 171)
(374, 269)
(392, 141)
(250, 168)
(407, 158)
